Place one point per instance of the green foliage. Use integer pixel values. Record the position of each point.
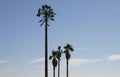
(54, 53)
(53, 57)
(54, 62)
(50, 57)
(59, 52)
(58, 55)
(68, 48)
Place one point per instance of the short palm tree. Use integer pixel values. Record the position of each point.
(46, 14)
(54, 61)
(59, 52)
(68, 48)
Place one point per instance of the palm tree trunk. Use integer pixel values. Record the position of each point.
(53, 71)
(58, 68)
(46, 47)
(67, 69)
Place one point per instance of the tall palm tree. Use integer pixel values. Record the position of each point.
(68, 48)
(46, 14)
(59, 52)
(54, 61)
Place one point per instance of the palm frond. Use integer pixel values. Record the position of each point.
(54, 62)
(52, 19)
(50, 57)
(38, 14)
(45, 11)
(69, 47)
(59, 47)
(68, 56)
(42, 23)
(53, 53)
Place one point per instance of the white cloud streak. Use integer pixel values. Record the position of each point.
(72, 62)
(3, 61)
(114, 57)
(78, 61)
(37, 60)
(78, 49)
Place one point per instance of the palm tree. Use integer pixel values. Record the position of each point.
(54, 61)
(59, 52)
(68, 48)
(46, 13)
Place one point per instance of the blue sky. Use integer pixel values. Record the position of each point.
(91, 26)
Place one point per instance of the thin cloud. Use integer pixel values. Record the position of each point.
(37, 60)
(3, 61)
(78, 61)
(77, 49)
(114, 57)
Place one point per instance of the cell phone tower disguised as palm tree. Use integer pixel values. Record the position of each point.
(46, 14)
